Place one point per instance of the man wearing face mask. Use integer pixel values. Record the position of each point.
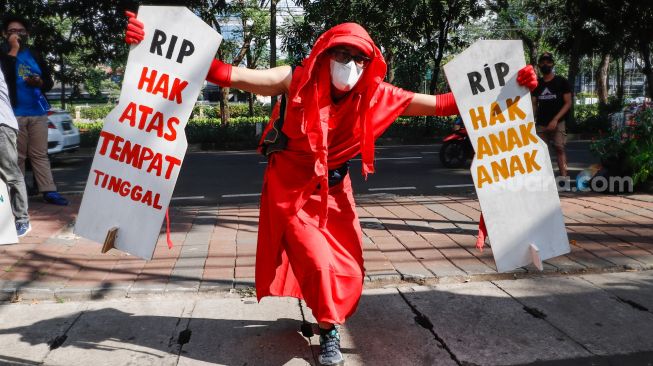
(29, 78)
(552, 101)
(336, 104)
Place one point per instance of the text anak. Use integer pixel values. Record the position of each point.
(504, 141)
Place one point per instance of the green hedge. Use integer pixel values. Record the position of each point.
(235, 110)
(99, 112)
(588, 119)
(628, 151)
(240, 133)
(416, 130)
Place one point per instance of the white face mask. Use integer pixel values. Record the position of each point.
(345, 76)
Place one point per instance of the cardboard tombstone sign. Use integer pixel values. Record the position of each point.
(7, 224)
(142, 145)
(512, 169)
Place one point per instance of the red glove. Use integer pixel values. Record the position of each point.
(135, 30)
(445, 105)
(527, 77)
(220, 73)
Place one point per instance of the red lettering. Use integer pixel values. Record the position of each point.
(129, 155)
(156, 123)
(146, 154)
(137, 193)
(98, 175)
(145, 79)
(178, 86)
(116, 148)
(162, 86)
(124, 188)
(172, 135)
(172, 162)
(114, 184)
(147, 198)
(146, 112)
(130, 114)
(106, 138)
(156, 164)
(156, 202)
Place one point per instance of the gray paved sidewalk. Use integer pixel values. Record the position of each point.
(418, 239)
(567, 320)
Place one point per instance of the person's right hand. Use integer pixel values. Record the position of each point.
(135, 31)
(14, 41)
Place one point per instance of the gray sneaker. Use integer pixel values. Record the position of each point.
(330, 348)
(22, 228)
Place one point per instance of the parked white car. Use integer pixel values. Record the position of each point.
(63, 136)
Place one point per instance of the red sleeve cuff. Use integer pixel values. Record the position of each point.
(220, 73)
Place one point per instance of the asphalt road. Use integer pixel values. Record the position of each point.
(208, 177)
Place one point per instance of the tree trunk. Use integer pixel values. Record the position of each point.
(224, 106)
(602, 80)
(250, 95)
(62, 94)
(389, 60)
(645, 50)
(273, 40)
(621, 78)
(442, 41)
(574, 67)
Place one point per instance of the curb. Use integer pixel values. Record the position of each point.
(12, 292)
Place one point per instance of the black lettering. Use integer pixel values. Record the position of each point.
(502, 70)
(171, 47)
(158, 40)
(187, 49)
(475, 82)
(488, 76)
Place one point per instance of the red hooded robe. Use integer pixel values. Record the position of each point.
(310, 239)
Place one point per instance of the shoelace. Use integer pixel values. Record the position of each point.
(330, 345)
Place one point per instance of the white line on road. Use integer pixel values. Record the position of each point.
(187, 198)
(454, 185)
(391, 189)
(240, 195)
(430, 152)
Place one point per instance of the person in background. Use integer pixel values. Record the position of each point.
(551, 102)
(28, 77)
(9, 171)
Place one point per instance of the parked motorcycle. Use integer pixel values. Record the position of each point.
(456, 148)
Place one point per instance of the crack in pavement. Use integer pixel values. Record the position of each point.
(310, 342)
(423, 321)
(183, 337)
(540, 315)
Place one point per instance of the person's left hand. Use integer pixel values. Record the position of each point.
(34, 81)
(527, 77)
(552, 125)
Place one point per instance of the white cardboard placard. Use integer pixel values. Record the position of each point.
(143, 143)
(7, 224)
(511, 169)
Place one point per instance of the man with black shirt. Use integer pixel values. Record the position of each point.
(552, 101)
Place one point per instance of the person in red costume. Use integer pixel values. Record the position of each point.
(310, 239)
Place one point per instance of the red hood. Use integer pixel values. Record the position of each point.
(350, 34)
